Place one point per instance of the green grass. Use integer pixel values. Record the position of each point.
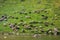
(14, 7)
(10, 7)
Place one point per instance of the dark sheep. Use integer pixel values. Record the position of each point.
(46, 12)
(28, 28)
(46, 23)
(42, 31)
(49, 32)
(17, 28)
(44, 17)
(34, 22)
(37, 11)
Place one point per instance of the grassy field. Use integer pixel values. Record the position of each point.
(14, 7)
(35, 9)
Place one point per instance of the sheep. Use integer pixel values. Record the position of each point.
(46, 23)
(36, 35)
(3, 17)
(37, 11)
(49, 31)
(44, 17)
(55, 31)
(28, 16)
(33, 22)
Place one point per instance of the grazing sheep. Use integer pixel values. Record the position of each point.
(46, 12)
(37, 11)
(3, 18)
(17, 28)
(42, 31)
(55, 31)
(36, 35)
(27, 16)
(44, 17)
(49, 32)
(46, 23)
(33, 22)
